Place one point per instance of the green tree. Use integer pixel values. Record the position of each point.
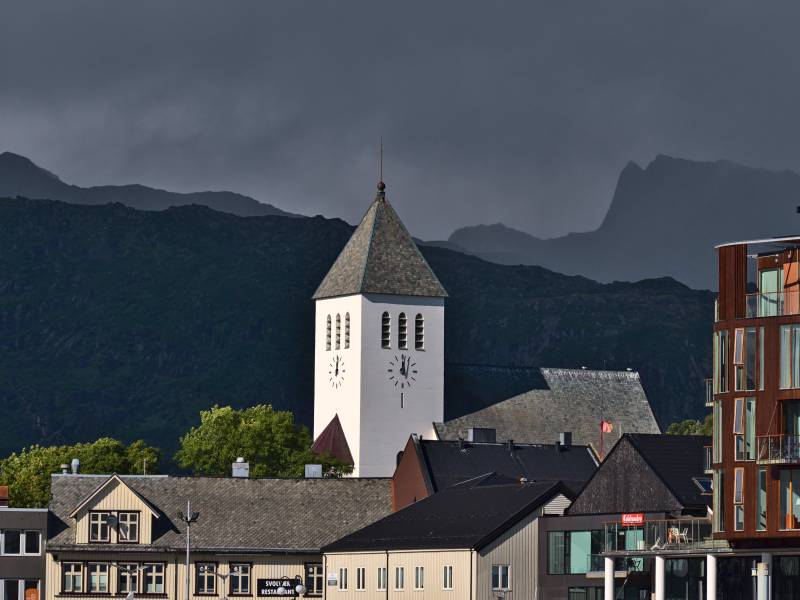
(269, 440)
(692, 427)
(27, 473)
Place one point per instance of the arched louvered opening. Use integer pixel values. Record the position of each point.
(346, 330)
(386, 331)
(338, 332)
(419, 333)
(402, 332)
(328, 334)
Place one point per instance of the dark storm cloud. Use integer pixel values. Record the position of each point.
(518, 112)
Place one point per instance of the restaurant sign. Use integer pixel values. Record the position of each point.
(270, 587)
(632, 519)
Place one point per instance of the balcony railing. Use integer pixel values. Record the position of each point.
(708, 459)
(773, 304)
(658, 536)
(622, 564)
(709, 391)
(778, 449)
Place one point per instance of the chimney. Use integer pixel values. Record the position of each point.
(565, 439)
(64, 469)
(485, 435)
(313, 471)
(76, 465)
(510, 446)
(3, 496)
(461, 444)
(240, 468)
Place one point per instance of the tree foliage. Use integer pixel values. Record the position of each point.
(269, 440)
(692, 427)
(27, 473)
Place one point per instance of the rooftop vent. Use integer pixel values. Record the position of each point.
(240, 468)
(313, 471)
(565, 439)
(3, 496)
(64, 469)
(76, 465)
(486, 435)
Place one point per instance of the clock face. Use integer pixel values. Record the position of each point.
(336, 371)
(402, 371)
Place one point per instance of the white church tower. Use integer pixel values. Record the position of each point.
(379, 346)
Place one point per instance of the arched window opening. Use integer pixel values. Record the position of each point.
(346, 330)
(328, 334)
(402, 332)
(386, 331)
(419, 333)
(338, 332)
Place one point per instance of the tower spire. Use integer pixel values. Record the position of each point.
(381, 185)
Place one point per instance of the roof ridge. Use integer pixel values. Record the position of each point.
(375, 203)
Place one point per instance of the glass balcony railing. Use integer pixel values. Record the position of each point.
(627, 564)
(658, 535)
(708, 386)
(773, 304)
(778, 449)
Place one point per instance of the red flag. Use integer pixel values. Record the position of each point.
(606, 426)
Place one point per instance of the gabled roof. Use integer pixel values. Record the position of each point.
(251, 515)
(332, 441)
(380, 258)
(575, 400)
(466, 516)
(114, 478)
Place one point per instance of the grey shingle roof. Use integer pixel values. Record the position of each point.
(380, 258)
(291, 515)
(576, 401)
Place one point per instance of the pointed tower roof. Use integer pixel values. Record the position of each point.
(332, 440)
(380, 258)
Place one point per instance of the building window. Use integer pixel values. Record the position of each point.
(328, 333)
(419, 578)
(314, 579)
(571, 552)
(346, 330)
(71, 577)
(342, 579)
(361, 578)
(761, 358)
(382, 579)
(239, 578)
(128, 527)
(33, 542)
(127, 578)
(338, 332)
(738, 524)
(744, 425)
(399, 578)
(585, 593)
(769, 296)
(501, 577)
(386, 331)
(738, 485)
(744, 359)
(790, 356)
(720, 348)
(447, 577)
(761, 501)
(402, 332)
(98, 578)
(98, 527)
(790, 498)
(719, 500)
(717, 432)
(419, 333)
(205, 578)
(154, 578)
(11, 541)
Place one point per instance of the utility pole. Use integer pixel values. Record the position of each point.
(188, 518)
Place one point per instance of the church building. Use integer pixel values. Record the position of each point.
(379, 346)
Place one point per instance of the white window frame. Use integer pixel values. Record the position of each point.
(343, 579)
(383, 575)
(100, 519)
(447, 577)
(361, 579)
(21, 542)
(315, 576)
(99, 569)
(205, 572)
(501, 569)
(399, 578)
(72, 573)
(24, 542)
(240, 572)
(419, 578)
(129, 519)
(155, 572)
(128, 572)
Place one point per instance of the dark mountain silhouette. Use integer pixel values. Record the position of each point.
(664, 220)
(121, 322)
(19, 176)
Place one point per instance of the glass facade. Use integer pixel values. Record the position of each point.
(790, 499)
(574, 552)
(790, 357)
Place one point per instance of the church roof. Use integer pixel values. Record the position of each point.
(380, 258)
(332, 440)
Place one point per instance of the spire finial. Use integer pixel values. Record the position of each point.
(381, 185)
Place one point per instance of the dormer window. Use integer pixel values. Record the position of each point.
(128, 527)
(99, 531)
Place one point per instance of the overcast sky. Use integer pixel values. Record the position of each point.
(517, 112)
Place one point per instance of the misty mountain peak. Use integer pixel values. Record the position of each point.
(12, 164)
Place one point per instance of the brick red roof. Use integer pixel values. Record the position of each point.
(333, 441)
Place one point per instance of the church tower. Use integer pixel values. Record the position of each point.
(379, 345)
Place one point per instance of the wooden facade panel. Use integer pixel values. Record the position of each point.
(517, 548)
(115, 497)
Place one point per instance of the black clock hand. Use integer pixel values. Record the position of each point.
(337, 366)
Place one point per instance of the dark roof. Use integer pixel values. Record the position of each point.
(576, 400)
(332, 441)
(259, 515)
(676, 459)
(380, 258)
(468, 515)
(448, 463)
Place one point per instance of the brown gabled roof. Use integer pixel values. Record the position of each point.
(333, 442)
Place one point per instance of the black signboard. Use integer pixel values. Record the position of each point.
(269, 587)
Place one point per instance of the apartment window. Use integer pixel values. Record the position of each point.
(154, 578)
(744, 424)
(570, 552)
(585, 593)
(361, 578)
(720, 350)
(717, 432)
(128, 526)
(399, 578)
(346, 330)
(790, 498)
(447, 577)
(342, 579)
(744, 359)
(98, 527)
(205, 578)
(761, 358)
(71, 577)
(738, 485)
(386, 331)
(127, 578)
(501, 577)
(328, 333)
(98, 578)
(314, 579)
(769, 297)
(419, 333)
(239, 578)
(382, 577)
(402, 332)
(11, 541)
(33, 542)
(338, 332)
(419, 578)
(790, 356)
(719, 500)
(761, 501)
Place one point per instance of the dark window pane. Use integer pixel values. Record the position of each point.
(31, 542)
(11, 542)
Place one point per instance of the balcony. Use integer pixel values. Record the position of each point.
(708, 459)
(782, 449)
(773, 304)
(656, 536)
(709, 392)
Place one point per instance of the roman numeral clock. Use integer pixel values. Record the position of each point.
(403, 374)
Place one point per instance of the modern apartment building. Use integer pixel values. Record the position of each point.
(22, 535)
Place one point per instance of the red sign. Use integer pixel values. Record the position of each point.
(632, 519)
(31, 594)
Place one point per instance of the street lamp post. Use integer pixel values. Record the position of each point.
(189, 517)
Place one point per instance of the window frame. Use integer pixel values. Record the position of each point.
(328, 334)
(20, 542)
(386, 331)
(100, 525)
(314, 573)
(338, 331)
(399, 578)
(136, 523)
(402, 331)
(419, 578)
(447, 578)
(738, 485)
(501, 568)
(128, 575)
(205, 574)
(419, 333)
(90, 572)
(361, 579)
(162, 573)
(240, 575)
(346, 330)
(342, 579)
(382, 581)
(72, 574)
(24, 544)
